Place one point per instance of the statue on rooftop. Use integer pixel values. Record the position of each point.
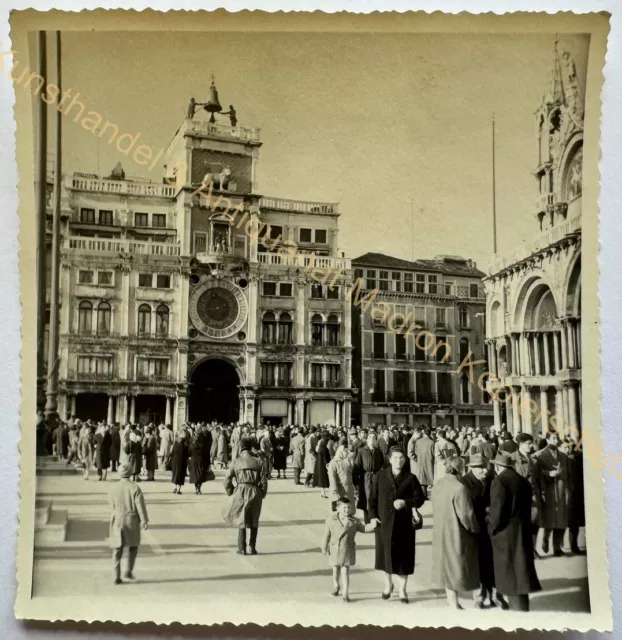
(232, 115)
(192, 107)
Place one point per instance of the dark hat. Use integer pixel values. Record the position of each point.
(477, 460)
(504, 459)
(246, 444)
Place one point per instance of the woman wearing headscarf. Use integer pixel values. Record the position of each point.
(150, 451)
(320, 473)
(280, 452)
(134, 451)
(454, 541)
(198, 470)
(102, 451)
(115, 446)
(340, 476)
(179, 462)
(395, 493)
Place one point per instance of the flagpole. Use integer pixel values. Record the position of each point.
(494, 191)
(51, 403)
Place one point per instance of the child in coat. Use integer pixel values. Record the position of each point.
(338, 542)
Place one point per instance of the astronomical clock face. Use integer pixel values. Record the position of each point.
(218, 309)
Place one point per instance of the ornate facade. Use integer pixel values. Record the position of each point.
(402, 375)
(533, 306)
(195, 298)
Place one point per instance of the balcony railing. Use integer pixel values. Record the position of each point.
(379, 356)
(91, 375)
(154, 377)
(552, 236)
(465, 292)
(279, 382)
(119, 187)
(400, 396)
(378, 396)
(325, 384)
(302, 260)
(105, 245)
(299, 206)
(203, 127)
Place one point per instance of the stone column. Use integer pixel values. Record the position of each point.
(572, 345)
(508, 414)
(254, 232)
(347, 413)
(387, 420)
(578, 338)
(301, 325)
(497, 413)
(516, 415)
(252, 309)
(110, 417)
(73, 403)
(566, 407)
(289, 412)
(132, 409)
(182, 324)
(346, 339)
(125, 308)
(544, 408)
(556, 352)
(563, 337)
(547, 356)
(536, 354)
(572, 402)
(168, 414)
(300, 411)
(525, 409)
(337, 413)
(515, 357)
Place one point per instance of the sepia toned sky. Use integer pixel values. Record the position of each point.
(396, 128)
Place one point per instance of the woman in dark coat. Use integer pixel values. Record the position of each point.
(576, 500)
(179, 462)
(150, 451)
(280, 453)
(115, 446)
(198, 470)
(320, 473)
(102, 452)
(134, 451)
(395, 492)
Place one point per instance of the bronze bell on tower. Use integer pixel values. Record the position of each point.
(212, 105)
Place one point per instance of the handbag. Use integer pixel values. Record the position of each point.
(417, 519)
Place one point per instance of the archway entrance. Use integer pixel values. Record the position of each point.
(214, 393)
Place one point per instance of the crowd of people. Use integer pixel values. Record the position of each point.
(491, 493)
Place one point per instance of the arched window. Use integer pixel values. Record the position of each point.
(268, 328)
(285, 328)
(162, 316)
(144, 320)
(317, 325)
(333, 330)
(464, 349)
(103, 318)
(85, 317)
(464, 388)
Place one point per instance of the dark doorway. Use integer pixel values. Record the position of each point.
(92, 406)
(150, 409)
(214, 393)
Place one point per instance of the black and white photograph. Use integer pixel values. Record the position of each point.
(304, 303)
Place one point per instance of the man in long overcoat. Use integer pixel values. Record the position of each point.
(423, 451)
(310, 455)
(526, 468)
(552, 475)
(340, 478)
(247, 495)
(368, 461)
(454, 541)
(166, 446)
(510, 528)
(128, 513)
(297, 449)
(150, 452)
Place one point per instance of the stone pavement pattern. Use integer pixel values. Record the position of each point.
(188, 551)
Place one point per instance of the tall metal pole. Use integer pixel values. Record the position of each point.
(41, 207)
(494, 190)
(51, 400)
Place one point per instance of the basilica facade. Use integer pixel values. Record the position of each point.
(194, 298)
(533, 306)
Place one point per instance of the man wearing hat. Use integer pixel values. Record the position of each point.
(128, 513)
(510, 529)
(478, 480)
(526, 467)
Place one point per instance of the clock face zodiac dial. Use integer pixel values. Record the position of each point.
(218, 309)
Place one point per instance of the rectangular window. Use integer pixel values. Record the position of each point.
(104, 278)
(449, 288)
(269, 288)
(200, 242)
(285, 289)
(87, 216)
(378, 393)
(84, 365)
(305, 235)
(317, 291)
(316, 375)
(276, 232)
(145, 279)
(383, 277)
(284, 374)
(163, 281)
(420, 316)
(371, 278)
(379, 346)
(358, 273)
(420, 283)
(408, 283)
(320, 236)
(400, 386)
(85, 277)
(441, 316)
(141, 219)
(463, 316)
(443, 384)
(332, 293)
(396, 277)
(400, 347)
(105, 217)
(423, 383)
(158, 220)
(333, 378)
(432, 284)
(473, 290)
(267, 374)
(142, 368)
(160, 368)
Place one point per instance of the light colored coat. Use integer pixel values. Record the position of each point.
(340, 480)
(297, 449)
(128, 512)
(423, 450)
(166, 442)
(310, 455)
(338, 539)
(454, 540)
